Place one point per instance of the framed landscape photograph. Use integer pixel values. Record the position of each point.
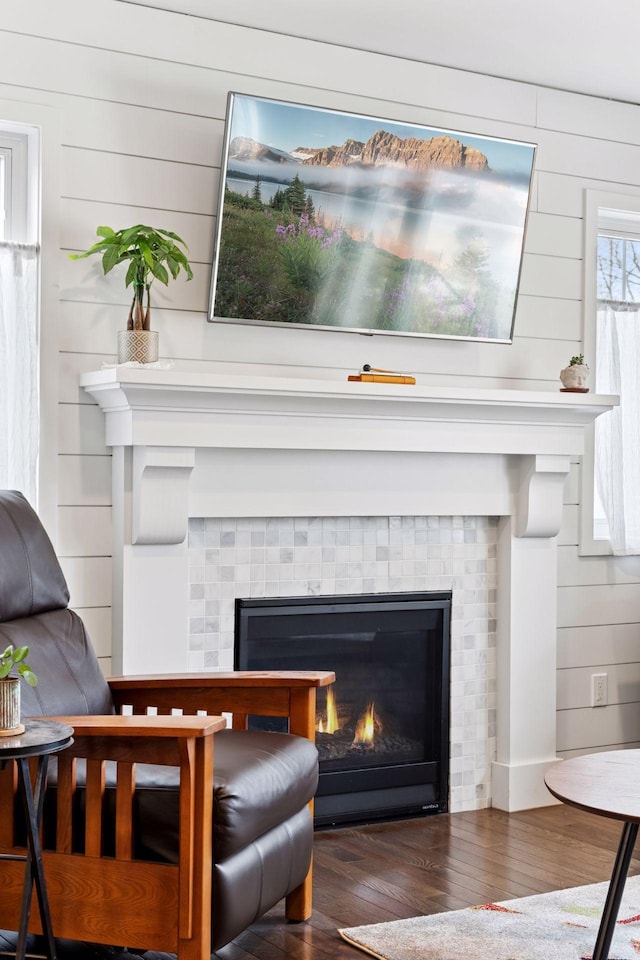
(348, 222)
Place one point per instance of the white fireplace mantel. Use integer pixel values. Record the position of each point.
(147, 407)
(189, 444)
(174, 421)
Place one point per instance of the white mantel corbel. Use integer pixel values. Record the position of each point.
(540, 494)
(160, 488)
(196, 445)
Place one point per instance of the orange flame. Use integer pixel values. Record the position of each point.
(331, 724)
(366, 726)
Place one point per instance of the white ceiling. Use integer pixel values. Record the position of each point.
(587, 46)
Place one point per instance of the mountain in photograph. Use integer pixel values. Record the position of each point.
(248, 150)
(382, 149)
(386, 149)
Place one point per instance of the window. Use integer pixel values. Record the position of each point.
(618, 267)
(14, 176)
(611, 468)
(19, 420)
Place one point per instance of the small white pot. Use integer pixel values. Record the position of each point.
(140, 346)
(10, 707)
(575, 377)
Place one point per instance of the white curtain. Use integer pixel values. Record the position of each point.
(617, 435)
(19, 368)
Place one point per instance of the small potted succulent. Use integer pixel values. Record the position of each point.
(152, 254)
(574, 377)
(13, 669)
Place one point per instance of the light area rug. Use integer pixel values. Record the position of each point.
(562, 925)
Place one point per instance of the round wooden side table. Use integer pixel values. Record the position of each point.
(608, 785)
(40, 739)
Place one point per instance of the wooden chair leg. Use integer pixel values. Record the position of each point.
(298, 905)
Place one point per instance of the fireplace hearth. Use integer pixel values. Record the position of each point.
(382, 730)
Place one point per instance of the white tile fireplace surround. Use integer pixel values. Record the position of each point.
(235, 447)
(287, 556)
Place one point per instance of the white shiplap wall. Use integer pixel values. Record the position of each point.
(598, 632)
(140, 95)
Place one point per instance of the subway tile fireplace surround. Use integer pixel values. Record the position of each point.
(228, 485)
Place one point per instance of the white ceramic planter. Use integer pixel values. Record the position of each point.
(140, 346)
(574, 377)
(10, 707)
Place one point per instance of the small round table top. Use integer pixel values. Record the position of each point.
(607, 784)
(40, 736)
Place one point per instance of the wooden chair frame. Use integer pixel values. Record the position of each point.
(118, 899)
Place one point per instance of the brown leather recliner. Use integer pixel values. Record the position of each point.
(130, 856)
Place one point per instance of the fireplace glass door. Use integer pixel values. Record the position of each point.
(382, 730)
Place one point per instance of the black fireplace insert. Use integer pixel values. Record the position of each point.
(382, 730)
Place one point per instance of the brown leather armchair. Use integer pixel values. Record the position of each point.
(160, 832)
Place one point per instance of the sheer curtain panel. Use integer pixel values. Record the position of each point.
(19, 367)
(617, 436)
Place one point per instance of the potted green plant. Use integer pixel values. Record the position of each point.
(13, 669)
(574, 377)
(152, 254)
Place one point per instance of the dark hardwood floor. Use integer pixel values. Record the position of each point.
(393, 870)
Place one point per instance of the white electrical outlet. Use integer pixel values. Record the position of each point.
(599, 694)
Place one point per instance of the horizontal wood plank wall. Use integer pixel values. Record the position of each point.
(598, 632)
(141, 94)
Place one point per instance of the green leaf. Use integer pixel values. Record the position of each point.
(173, 265)
(21, 653)
(145, 250)
(110, 259)
(174, 236)
(131, 273)
(160, 273)
(105, 232)
(87, 253)
(7, 652)
(27, 674)
(5, 669)
(179, 256)
(131, 234)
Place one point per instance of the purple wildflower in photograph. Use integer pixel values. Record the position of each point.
(331, 239)
(468, 306)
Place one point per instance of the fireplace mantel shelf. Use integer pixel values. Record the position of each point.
(176, 408)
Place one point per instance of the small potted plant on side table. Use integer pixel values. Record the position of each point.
(13, 660)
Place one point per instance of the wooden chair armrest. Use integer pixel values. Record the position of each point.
(286, 693)
(232, 680)
(148, 739)
(184, 727)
